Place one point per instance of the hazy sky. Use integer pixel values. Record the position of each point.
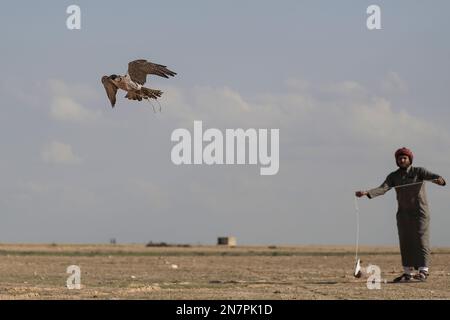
(344, 98)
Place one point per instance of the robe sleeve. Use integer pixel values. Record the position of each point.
(382, 189)
(427, 175)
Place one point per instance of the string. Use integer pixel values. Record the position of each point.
(357, 227)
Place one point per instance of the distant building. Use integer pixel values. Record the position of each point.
(227, 241)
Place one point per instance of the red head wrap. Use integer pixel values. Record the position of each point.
(404, 152)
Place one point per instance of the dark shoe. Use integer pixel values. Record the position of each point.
(421, 276)
(403, 278)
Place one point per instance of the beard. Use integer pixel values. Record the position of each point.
(403, 166)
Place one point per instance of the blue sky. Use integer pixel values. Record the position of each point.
(343, 97)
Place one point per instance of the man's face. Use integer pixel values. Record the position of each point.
(403, 161)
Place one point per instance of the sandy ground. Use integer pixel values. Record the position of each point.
(209, 272)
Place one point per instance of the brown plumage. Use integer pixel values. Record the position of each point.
(139, 69)
(111, 89)
(134, 80)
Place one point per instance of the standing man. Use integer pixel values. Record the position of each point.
(413, 217)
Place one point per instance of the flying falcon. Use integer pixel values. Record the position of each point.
(134, 80)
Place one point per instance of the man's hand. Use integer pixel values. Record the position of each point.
(440, 181)
(360, 194)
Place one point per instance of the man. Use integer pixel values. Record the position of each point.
(413, 218)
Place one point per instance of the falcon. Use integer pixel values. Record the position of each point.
(133, 82)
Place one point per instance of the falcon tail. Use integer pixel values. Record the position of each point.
(151, 93)
(144, 93)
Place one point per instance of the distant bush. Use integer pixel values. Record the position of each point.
(164, 244)
(156, 244)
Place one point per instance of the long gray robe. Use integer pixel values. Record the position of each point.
(413, 217)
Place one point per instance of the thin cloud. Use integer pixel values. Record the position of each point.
(59, 153)
(393, 83)
(65, 102)
(80, 91)
(66, 109)
(353, 116)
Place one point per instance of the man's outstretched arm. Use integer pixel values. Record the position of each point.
(435, 178)
(375, 192)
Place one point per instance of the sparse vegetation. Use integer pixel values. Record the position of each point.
(207, 272)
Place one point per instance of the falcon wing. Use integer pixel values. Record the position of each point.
(111, 89)
(139, 69)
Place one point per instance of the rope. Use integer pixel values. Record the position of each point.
(357, 228)
(153, 107)
(409, 184)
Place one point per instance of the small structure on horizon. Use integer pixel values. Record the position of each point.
(226, 241)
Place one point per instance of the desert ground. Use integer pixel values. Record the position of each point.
(136, 271)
